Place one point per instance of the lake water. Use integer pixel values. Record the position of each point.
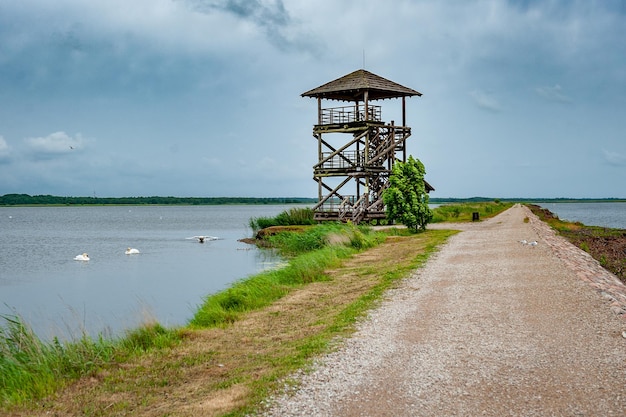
(168, 280)
(611, 215)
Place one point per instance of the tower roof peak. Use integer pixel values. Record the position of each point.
(351, 87)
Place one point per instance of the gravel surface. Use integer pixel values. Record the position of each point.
(488, 327)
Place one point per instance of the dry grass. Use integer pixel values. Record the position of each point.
(228, 371)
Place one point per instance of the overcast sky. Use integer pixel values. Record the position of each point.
(202, 97)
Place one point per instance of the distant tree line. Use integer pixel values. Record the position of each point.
(27, 200)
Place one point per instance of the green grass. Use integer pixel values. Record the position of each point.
(291, 243)
(293, 216)
(31, 368)
(311, 252)
(462, 212)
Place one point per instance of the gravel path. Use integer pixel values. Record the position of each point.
(488, 327)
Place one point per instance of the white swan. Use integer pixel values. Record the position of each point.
(81, 257)
(132, 251)
(201, 239)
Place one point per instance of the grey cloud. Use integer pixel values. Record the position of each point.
(553, 94)
(56, 143)
(264, 13)
(73, 54)
(5, 150)
(486, 101)
(271, 16)
(75, 63)
(71, 40)
(614, 158)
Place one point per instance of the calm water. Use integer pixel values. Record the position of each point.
(592, 214)
(40, 281)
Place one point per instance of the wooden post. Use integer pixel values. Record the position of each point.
(403, 111)
(320, 190)
(403, 125)
(392, 154)
(319, 110)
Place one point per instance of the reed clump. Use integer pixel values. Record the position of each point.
(32, 368)
(293, 216)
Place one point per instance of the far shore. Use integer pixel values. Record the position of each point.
(26, 200)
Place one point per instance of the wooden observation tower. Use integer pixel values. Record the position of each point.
(356, 148)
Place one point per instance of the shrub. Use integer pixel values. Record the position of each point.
(406, 199)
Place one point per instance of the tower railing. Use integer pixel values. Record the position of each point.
(350, 114)
(333, 204)
(344, 160)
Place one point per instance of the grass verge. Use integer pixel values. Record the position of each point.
(462, 212)
(228, 366)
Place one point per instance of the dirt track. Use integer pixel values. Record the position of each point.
(489, 326)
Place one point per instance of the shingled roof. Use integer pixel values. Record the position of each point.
(351, 87)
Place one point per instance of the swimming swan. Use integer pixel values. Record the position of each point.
(82, 257)
(201, 239)
(131, 251)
